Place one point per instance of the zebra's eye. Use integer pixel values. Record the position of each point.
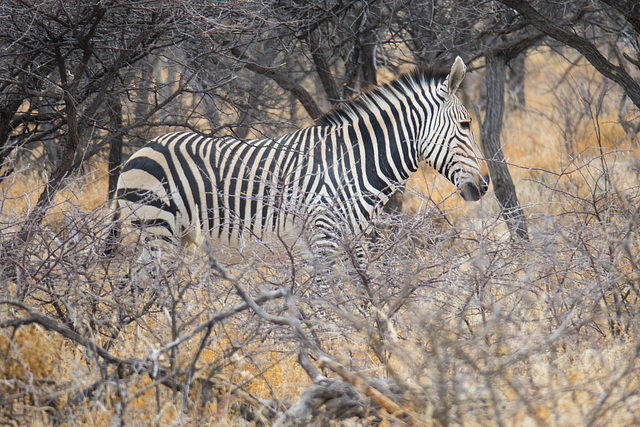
(465, 124)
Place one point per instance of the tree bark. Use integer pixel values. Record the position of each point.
(323, 69)
(367, 55)
(8, 110)
(589, 50)
(491, 128)
(515, 82)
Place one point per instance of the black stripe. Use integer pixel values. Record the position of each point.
(189, 174)
(146, 197)
(155, 222)
(154, 169)
(172, 176)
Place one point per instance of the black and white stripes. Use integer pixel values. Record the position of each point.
(329, 178)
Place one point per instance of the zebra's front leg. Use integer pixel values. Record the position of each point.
(324, 263)
(342, 279)
(359, 260)
(332, 251)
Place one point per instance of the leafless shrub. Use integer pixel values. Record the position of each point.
(442, 325)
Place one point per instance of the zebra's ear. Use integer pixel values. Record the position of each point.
(456, 76)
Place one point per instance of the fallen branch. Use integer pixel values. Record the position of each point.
(365, 388)
(340, 399)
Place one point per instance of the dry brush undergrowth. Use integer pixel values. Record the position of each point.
(449, 322)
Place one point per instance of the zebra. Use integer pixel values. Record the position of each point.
(329, 179)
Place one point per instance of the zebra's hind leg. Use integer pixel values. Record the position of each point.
(156, 260)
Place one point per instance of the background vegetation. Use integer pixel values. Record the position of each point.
(521, 309)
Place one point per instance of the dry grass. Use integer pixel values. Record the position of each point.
(477, 329)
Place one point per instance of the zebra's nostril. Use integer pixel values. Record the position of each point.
(473, 191)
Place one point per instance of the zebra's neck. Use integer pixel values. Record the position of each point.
(391, 125)
(385, 138)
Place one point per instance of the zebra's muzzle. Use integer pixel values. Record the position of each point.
(473, 191)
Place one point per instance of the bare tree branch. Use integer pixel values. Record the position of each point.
(322, 68)
(585, 47)
(284, 81)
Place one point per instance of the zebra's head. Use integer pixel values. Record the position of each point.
(449, 145)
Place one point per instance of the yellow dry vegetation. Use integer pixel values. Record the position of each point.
(29, 359)
(30, 355)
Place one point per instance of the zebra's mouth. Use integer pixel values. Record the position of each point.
(473, 191)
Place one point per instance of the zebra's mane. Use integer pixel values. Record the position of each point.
(364, 103)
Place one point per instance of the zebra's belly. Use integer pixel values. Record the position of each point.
(239, 247)
(231, 240)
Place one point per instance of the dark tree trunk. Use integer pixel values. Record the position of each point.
(323, 69)
(61, 171)
(368, 58)
(515, 81)
(494, 82)
(8, 110)
(115, 148)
